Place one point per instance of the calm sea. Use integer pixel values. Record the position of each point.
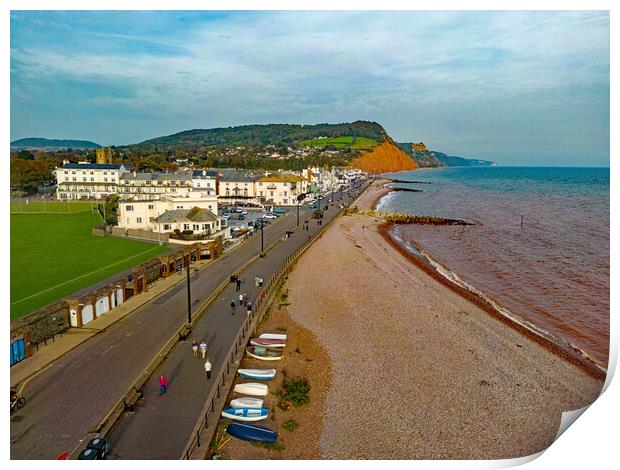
(552, 271)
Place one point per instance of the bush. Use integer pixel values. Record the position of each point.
(294, 392)
(290, 425)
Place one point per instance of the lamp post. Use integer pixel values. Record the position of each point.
(262, 224)
(189, 295)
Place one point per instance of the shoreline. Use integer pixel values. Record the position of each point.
(568, 351)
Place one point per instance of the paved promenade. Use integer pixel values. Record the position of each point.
(70, 397)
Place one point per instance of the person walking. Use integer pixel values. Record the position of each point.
(163, 384)
(260, 282)
(232, 305)
(240, 299)
(238, 284)
(195, 349)
(256, 278)
(245, 299)
(203, 348)
(208, 368)
(248, 308)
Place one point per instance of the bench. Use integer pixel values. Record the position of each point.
(185, 331)
(132, 398)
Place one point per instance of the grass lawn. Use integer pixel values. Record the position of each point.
(54, 255)
(355, 143)
(49, 206)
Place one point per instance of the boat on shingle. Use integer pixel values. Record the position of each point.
(252, 432)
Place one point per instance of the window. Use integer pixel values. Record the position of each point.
(66, 172)
(74, 179)
(260, 183)
(185, 226)
(73, 172)
(271, 193)
(204, 226)
(285, 193)
(113, 180)
(151, 219)
(128, 208)
(92, 179)
(139, 220)
(166, 226)
(179, 207)
(84, 179)
(105, 172)
(195, 227)
(151, 206)
(83, 172)
(105, 179)
(92, 172)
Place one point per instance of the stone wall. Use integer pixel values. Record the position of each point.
(43, 323)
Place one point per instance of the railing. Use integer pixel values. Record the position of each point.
(263, 302)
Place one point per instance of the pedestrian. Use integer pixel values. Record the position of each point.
(232, 305)
(233, 278)
(238, 284)
(245, 299)
(195, 348)
(256, 278)
(163, 384)
(208, 368)
(260, 282)
(248, 308)
(203, 348)
(240, 299)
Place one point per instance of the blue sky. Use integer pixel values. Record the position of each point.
(519, 88)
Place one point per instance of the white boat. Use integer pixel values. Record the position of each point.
(281, 336)
(252, 388)
(264, 354)
(246, 402)
(257, 374)
(268, 342)
(246, 414)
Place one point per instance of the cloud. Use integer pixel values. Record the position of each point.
(230, 67)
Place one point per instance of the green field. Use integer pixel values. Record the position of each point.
(355, 143)
(20, 206)
(54, 255)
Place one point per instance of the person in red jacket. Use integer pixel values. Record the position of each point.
(163, 384)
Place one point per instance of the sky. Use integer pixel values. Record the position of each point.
(515, 87)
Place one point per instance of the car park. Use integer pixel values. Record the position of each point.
(226, 215)
(270, 216)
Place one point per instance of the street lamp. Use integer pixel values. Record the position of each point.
(189, 295)
(262, 224)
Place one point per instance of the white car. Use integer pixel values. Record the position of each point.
(226, 216)
(244, 212)
(270, 216)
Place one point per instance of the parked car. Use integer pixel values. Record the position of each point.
(270, 216)
(279, 211)
(251, 223)
(241, 217)
(226, 215)
(313, 205)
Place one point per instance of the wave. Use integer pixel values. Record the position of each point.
(454, 279)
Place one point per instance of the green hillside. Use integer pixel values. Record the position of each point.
(349, 141)
(40, 142)
(276, 134)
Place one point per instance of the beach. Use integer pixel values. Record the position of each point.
(411, 369)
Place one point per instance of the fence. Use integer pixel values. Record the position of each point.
(203, 431)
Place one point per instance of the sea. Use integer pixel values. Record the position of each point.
(540, 250)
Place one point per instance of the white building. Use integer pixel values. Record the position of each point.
(280, 189)
(236, 186)
(143, 215)
(205, 181)
(85, 180)
(154, 186)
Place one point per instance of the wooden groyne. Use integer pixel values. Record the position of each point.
(392, 180)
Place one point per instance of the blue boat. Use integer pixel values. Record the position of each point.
(251, 432)
(246, 414)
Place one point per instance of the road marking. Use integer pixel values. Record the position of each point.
(83, 275)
